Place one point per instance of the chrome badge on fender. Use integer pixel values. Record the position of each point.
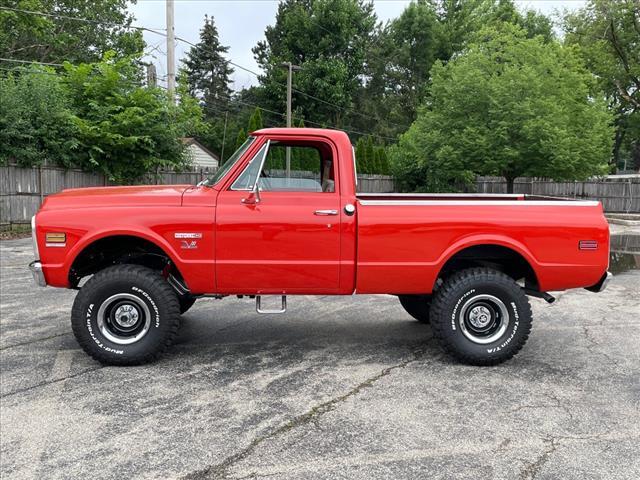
(185, 244)
(189, 245)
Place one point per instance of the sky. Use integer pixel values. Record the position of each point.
(241, 24)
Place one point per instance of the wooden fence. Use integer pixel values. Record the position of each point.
(617, 193)
(22, 190)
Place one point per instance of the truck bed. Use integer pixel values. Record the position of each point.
(405, 239)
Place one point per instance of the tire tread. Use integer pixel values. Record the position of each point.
(466, 278)
(115, 273)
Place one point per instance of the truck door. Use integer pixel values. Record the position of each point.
(285, 238)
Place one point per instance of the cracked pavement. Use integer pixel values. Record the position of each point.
(337, 388)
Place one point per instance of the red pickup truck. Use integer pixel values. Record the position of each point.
(282, 217)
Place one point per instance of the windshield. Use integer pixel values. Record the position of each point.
(231, 161)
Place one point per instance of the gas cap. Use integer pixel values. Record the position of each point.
(349, 209)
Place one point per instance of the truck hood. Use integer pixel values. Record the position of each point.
(117, 196)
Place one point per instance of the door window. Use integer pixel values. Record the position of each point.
(311, 168)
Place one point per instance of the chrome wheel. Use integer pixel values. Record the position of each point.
(124, 318)
(483, 319)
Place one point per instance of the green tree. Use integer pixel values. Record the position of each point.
(208, 71)
(370, 155)
(361, 160)
(32, 37)
(460, 20)
(35, 119)
(399, 58)
(608, 34)
(402, 53)
(240, 138)
(126, 130)
(255, 121)
(508, 106)
(328, 39)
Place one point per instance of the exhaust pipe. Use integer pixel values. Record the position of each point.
(544, 295)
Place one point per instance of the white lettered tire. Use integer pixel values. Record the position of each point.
(481, 316)
(125, 315)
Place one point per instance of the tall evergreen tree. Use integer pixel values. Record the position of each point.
(370, 153)
(361, 161)
(208, 71)
(240, 138)
(255, 121)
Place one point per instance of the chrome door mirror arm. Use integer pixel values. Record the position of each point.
(254, 196)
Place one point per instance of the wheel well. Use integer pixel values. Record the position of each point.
(120, 249)
(498, 257)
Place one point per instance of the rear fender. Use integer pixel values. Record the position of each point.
(485, 239)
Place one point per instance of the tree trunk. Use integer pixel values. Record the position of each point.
(510, 181)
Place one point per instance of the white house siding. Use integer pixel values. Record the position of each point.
(201, 158)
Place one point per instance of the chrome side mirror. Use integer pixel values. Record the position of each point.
(254, 196)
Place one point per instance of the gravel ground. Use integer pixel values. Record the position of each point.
(336, 388)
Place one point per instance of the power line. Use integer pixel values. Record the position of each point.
(297, 90)
(241, 67)
(85, 20)
(31, 62)
(306, 121)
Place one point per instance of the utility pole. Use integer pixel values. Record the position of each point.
(171, 50)
(290, 68)
(151, 76)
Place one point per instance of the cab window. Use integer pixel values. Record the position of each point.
(311, 168)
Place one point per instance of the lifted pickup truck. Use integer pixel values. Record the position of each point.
(282, 217)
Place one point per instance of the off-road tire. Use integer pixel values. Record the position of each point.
(148, 292)
(451, 304)
(417, 306)
(186, 302)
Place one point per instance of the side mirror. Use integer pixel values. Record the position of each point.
(254, 196)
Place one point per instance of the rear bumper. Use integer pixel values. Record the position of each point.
(38, 275)
(602, 284)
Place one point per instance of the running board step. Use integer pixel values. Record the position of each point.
(283, 306)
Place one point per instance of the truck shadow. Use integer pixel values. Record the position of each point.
(295, 336)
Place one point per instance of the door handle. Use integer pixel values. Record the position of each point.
(326, 212)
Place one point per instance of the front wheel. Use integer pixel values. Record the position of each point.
(481, 316)
(125, 315)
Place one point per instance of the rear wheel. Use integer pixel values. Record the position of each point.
(481, 316)
(125, 315)
(417, 306)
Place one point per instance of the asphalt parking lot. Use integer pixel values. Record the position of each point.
(336, 388)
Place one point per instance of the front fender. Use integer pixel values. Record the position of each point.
(159, 226)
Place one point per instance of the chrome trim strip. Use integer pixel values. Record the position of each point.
(428, 195)
(355, 170)
(35, 268)
(481, 203)
(34, 238)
